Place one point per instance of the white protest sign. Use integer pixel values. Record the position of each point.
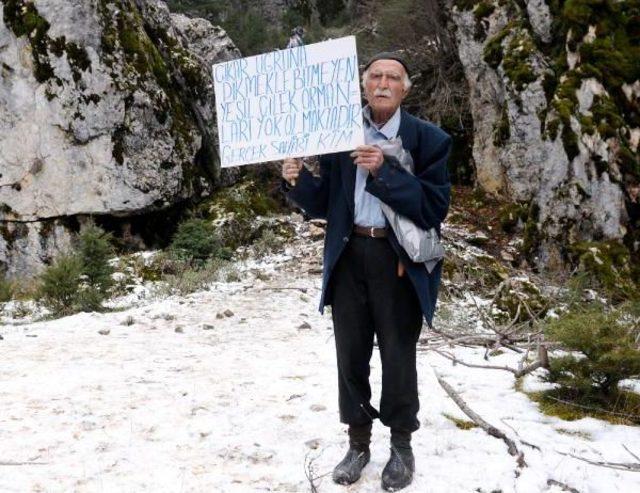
(297, 102)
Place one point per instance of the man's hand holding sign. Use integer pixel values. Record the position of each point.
(308, 103)
(367, 156)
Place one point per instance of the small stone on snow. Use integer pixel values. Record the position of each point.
(314, 443)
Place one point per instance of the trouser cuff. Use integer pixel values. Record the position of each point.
(401, 439)
(360, 436)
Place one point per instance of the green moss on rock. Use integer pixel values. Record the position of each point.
(78, 56)
(565, 104)
(502, 131)
(511, 215)
(570, 142)
(463, 5)
(532, 235)
(516, 60)
(493, 51)
(57, 46)
(611, 57)
(150, 55)
(519, 298)
(608, 263)
(23, 19)
(483, 9)
(606, 116)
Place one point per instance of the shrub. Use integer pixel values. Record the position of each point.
(235, 211)
(196, 240)
(608, 267)
(59, 285)
(252, 32)
(94, 250)
(89, 298)
(79, 281)
(6, 290)
(187, 278)
(603, 351)
(269, 242)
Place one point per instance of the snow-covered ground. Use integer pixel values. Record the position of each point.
(234, 389)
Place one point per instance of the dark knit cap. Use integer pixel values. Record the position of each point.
(389, 55)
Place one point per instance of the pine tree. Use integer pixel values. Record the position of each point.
(59, 285)
(95, 249)
(603, 351)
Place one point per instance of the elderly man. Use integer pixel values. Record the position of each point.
(369, 281)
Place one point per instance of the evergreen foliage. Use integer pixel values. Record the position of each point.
(6, 290)
(59, 285)
(196, 241)
(82, 279)
(248, 28)
(603, 350)
(94, 250)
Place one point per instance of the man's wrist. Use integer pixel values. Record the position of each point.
(285, 185)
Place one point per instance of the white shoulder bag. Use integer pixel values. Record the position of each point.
(420, 245)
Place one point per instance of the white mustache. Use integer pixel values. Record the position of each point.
(382, 92)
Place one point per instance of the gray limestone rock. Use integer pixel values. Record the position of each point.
(102, 113)
(540, 18)
(516, 158)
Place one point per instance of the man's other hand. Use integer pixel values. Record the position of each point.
(291, 170)
(369, 157)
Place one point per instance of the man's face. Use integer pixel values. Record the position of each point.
(384, 88)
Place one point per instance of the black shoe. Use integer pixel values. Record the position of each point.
(398, 473)
(349, 469)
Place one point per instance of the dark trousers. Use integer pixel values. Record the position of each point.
(370, 298)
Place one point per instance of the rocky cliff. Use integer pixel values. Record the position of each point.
(554, 92)
(106, 108)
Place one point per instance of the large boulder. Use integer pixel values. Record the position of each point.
(556, 112)
(106, 108)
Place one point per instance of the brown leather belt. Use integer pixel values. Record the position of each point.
(370, 232)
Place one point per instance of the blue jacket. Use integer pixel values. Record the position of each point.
(422, 197)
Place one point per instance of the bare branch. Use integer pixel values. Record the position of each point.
(631, 453)
(619, 466)
(517, 373)
(26, 463)
(477, 419)
(564, 486)
(523, 442)
(310, 471)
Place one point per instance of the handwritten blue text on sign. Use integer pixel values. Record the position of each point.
(297, 102)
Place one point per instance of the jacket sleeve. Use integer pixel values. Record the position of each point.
(423, 198)
(311, 193)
